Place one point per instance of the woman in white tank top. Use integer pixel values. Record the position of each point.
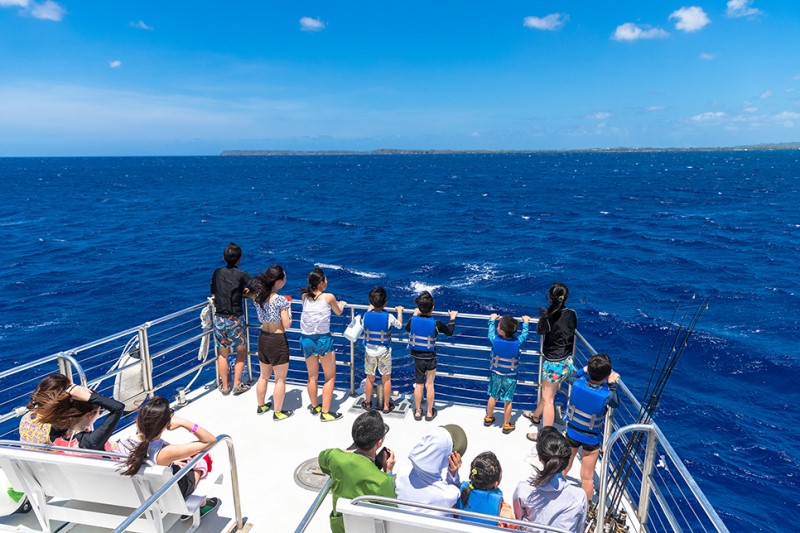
(317, 343)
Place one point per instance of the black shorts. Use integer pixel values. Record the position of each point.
(273, 348)
(187, 483)
(578, 444)
(422, 367)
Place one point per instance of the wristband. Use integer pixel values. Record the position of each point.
(194, 428)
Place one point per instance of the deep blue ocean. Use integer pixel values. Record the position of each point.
(91, 246)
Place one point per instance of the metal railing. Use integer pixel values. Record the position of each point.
(182, 472)
(446, 513)
(661, 488)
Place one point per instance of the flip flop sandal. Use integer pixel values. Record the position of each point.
(418, 415)
(389, 409)
(241, 389)
(508, 428)
(432, 415)
(488, 421)
(225, 392)
(529, 416)
(532, 436)
(366, 406)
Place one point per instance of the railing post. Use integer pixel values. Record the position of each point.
(647, 481)
(601, 499)
(237, 504)
(246, 308)
(541, 365)
(144, 350)
(352, 358)
(65, 367)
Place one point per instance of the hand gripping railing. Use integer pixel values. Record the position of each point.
(182, 472)
(450, 511)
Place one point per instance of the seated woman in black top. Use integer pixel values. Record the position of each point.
(72, 414)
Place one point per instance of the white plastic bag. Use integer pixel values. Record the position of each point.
(355, 329)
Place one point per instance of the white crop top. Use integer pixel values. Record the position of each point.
(316, 316)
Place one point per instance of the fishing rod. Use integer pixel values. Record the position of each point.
(636, 443)
(655, 388)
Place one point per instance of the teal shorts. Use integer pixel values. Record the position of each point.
(502, 387)
(313, 345)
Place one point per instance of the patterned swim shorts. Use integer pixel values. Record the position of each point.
(378, 359)
(502, 387)
(556, 372)
(229, 331)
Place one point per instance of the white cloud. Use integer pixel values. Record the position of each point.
(631, 32)
(706, 117)
(706, 56)
(797, 77)
(14, 3)
(47, 10)
(747, 107)
(788, 90)
(765, 95)
(741, 8)
(601, 115)
(690, 19)
(311, 24)
(655, 108)
(140, 24)
(788, 115)
(115, 64)
(551, 22)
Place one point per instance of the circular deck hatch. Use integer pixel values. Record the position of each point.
(309, 476)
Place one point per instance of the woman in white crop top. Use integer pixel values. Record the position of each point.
(317, 343)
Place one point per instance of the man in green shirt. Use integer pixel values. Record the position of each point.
(356, 473)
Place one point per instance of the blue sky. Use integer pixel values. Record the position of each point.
(94, 77)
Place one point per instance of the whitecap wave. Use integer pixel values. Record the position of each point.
(360, 273)
(476, 273)
(419, 286)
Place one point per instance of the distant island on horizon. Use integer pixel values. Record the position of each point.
(401, 151)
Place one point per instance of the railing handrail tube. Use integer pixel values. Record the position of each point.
(182, 472)
(452, 511)
(47, 359)
(315, 505)
(81, 452)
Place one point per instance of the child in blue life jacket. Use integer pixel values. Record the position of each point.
(594, 390)
(504, 365)
(481, 493)
(378, 324)
(422, 330)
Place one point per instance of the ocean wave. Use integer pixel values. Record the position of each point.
(418, 286)
(359, 273)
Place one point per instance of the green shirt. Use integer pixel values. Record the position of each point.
(353, 475)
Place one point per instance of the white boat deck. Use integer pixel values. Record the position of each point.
(268, 451)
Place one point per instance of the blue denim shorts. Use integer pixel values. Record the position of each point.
(313, 345)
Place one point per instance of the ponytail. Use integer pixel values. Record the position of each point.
(316, 277)
(553, 451)
(153, 418)
(465, 492)
(266, 282)
(558, 295)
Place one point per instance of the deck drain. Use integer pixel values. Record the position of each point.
(309, 476)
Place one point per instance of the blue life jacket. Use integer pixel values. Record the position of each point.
(481, 501)
(586, 411)
(376, 328)
(505, 356)
(422, 336)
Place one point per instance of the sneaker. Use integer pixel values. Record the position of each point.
(314, 410)
(261, 409)
(282, 415)
(211, 504)
(330, 417)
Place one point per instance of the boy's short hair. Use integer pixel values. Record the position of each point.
(368, 429)
(232, 254)
(508, 325)
(377, 297)
(599, 367)
(424, 302)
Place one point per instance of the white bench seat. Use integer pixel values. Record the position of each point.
(90, 490)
